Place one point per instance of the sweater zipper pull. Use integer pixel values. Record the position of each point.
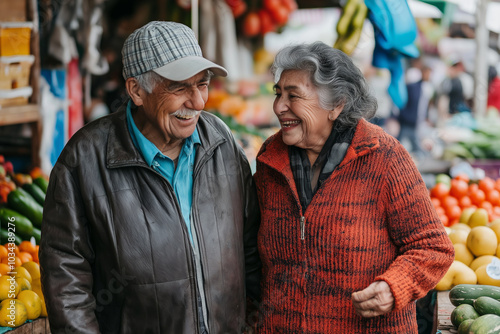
(302, 227)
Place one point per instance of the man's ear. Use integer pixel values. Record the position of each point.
(135, 91)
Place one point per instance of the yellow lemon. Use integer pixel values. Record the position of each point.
(461, 226)
(479, 261)
(33, 268)
(479, 218)
(485, 279)
(482, 241)
(38, 291)
(459, 236)
(12, 313)
(8, 287)
(463, 254)
(498, 251)
(32, 302)
(464, 217)
(458, 273)
(495, 226)
(22, 272)
(23, 283)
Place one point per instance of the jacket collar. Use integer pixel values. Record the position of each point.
(122, 152)
(365, 140)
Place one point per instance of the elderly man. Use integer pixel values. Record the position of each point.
(151, 216)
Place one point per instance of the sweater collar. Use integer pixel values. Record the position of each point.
(365, 140)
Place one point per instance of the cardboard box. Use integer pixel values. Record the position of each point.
(13, 10)
(15, 71)
(15, 38)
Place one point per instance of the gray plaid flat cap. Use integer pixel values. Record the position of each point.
(168, 48)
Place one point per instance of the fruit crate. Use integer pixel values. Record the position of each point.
(490, 167)
(37, 326)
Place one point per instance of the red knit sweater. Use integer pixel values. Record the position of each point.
(371, 220)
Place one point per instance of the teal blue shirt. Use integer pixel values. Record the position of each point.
(181, 178)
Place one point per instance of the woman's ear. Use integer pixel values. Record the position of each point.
(134, 91)
(333, 114)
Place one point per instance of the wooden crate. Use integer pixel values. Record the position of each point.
(15, 71)
(38, 326)
(12, 10)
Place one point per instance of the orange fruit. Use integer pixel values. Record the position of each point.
(486, 184)
(22, 272)
(444, 219)
(453, 212)
(493, 196)
(35, 255)
(32, 302)
(17, 261)
(458, 188)
(448, 201)
(435, 202)
(473, 187)
(464, 202)
(14, 307)
(26, 246)
(4, 269)
(25, 257)
(3, 252)
(440, 190)
(33, 268)
(477, 197)
(440, 211)
(463, 177)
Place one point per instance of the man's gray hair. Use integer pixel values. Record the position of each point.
(338, 80)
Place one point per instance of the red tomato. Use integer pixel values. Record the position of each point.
(266, 22)
(251, 24)
(271, 4)
(459, 188)
(291, 5)
(279, 15)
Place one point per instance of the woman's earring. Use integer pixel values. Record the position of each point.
(330, 117)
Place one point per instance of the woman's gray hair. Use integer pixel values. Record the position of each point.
(338, 80)
(150, 79)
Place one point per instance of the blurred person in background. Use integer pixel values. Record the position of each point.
(413, 116)
(458, 87)
(493, 88)
(151, 218)
(349, 238)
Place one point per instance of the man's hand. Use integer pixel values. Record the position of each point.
(375, 300)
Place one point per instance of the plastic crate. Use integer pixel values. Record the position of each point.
(491, 167)
(15, 38)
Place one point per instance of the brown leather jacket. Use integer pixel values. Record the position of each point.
(115, 253)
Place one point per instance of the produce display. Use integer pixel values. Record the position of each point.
(477, 308)
(262, 17)
(21, 203)
(470, 212)
(350, 25)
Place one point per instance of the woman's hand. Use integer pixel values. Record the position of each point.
(375, 300)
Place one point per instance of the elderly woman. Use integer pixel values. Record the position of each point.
(349, 238)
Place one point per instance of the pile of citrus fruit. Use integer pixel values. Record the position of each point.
(21, 297)
(450, 196)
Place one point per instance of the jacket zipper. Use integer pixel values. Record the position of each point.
(302, 227)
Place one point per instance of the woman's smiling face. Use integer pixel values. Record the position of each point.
(304, 122)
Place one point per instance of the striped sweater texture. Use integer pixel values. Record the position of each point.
(371, 220)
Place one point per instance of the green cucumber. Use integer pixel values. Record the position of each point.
(42, 183)
(486, 324)
(462, 312)
(35, 191)
(22, 202)
(468, 293)
(465, 326)
(15, 222)
(487, 305)
(4, 238)
(37, 234)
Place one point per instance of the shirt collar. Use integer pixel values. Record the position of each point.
(148, 149)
